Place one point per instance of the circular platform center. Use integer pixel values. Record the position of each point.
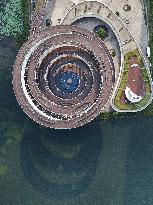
(69, 81)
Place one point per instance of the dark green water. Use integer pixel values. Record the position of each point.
(101, 163)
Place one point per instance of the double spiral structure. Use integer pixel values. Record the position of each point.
(63, 76)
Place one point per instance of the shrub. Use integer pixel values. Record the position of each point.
(127, 7)
(102, 33)
(117, 13)
(113, 53)
(48, 22)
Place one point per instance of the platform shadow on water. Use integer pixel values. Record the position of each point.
(61, 163)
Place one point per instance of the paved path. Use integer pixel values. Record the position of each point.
(56, 9)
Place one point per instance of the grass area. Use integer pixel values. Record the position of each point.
(149, 7)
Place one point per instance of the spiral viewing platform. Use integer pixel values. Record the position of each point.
(63, 76)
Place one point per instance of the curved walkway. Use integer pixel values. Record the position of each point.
(125, 38)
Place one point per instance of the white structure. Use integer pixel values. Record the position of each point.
(148, 52)
(131, 96)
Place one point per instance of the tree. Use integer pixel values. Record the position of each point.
(102, 33)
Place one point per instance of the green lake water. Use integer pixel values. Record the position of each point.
(102, 163)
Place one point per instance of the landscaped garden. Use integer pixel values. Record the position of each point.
(132, 106)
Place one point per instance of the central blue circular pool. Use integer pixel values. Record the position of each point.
(68, 81)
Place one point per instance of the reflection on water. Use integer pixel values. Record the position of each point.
(61, 163)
